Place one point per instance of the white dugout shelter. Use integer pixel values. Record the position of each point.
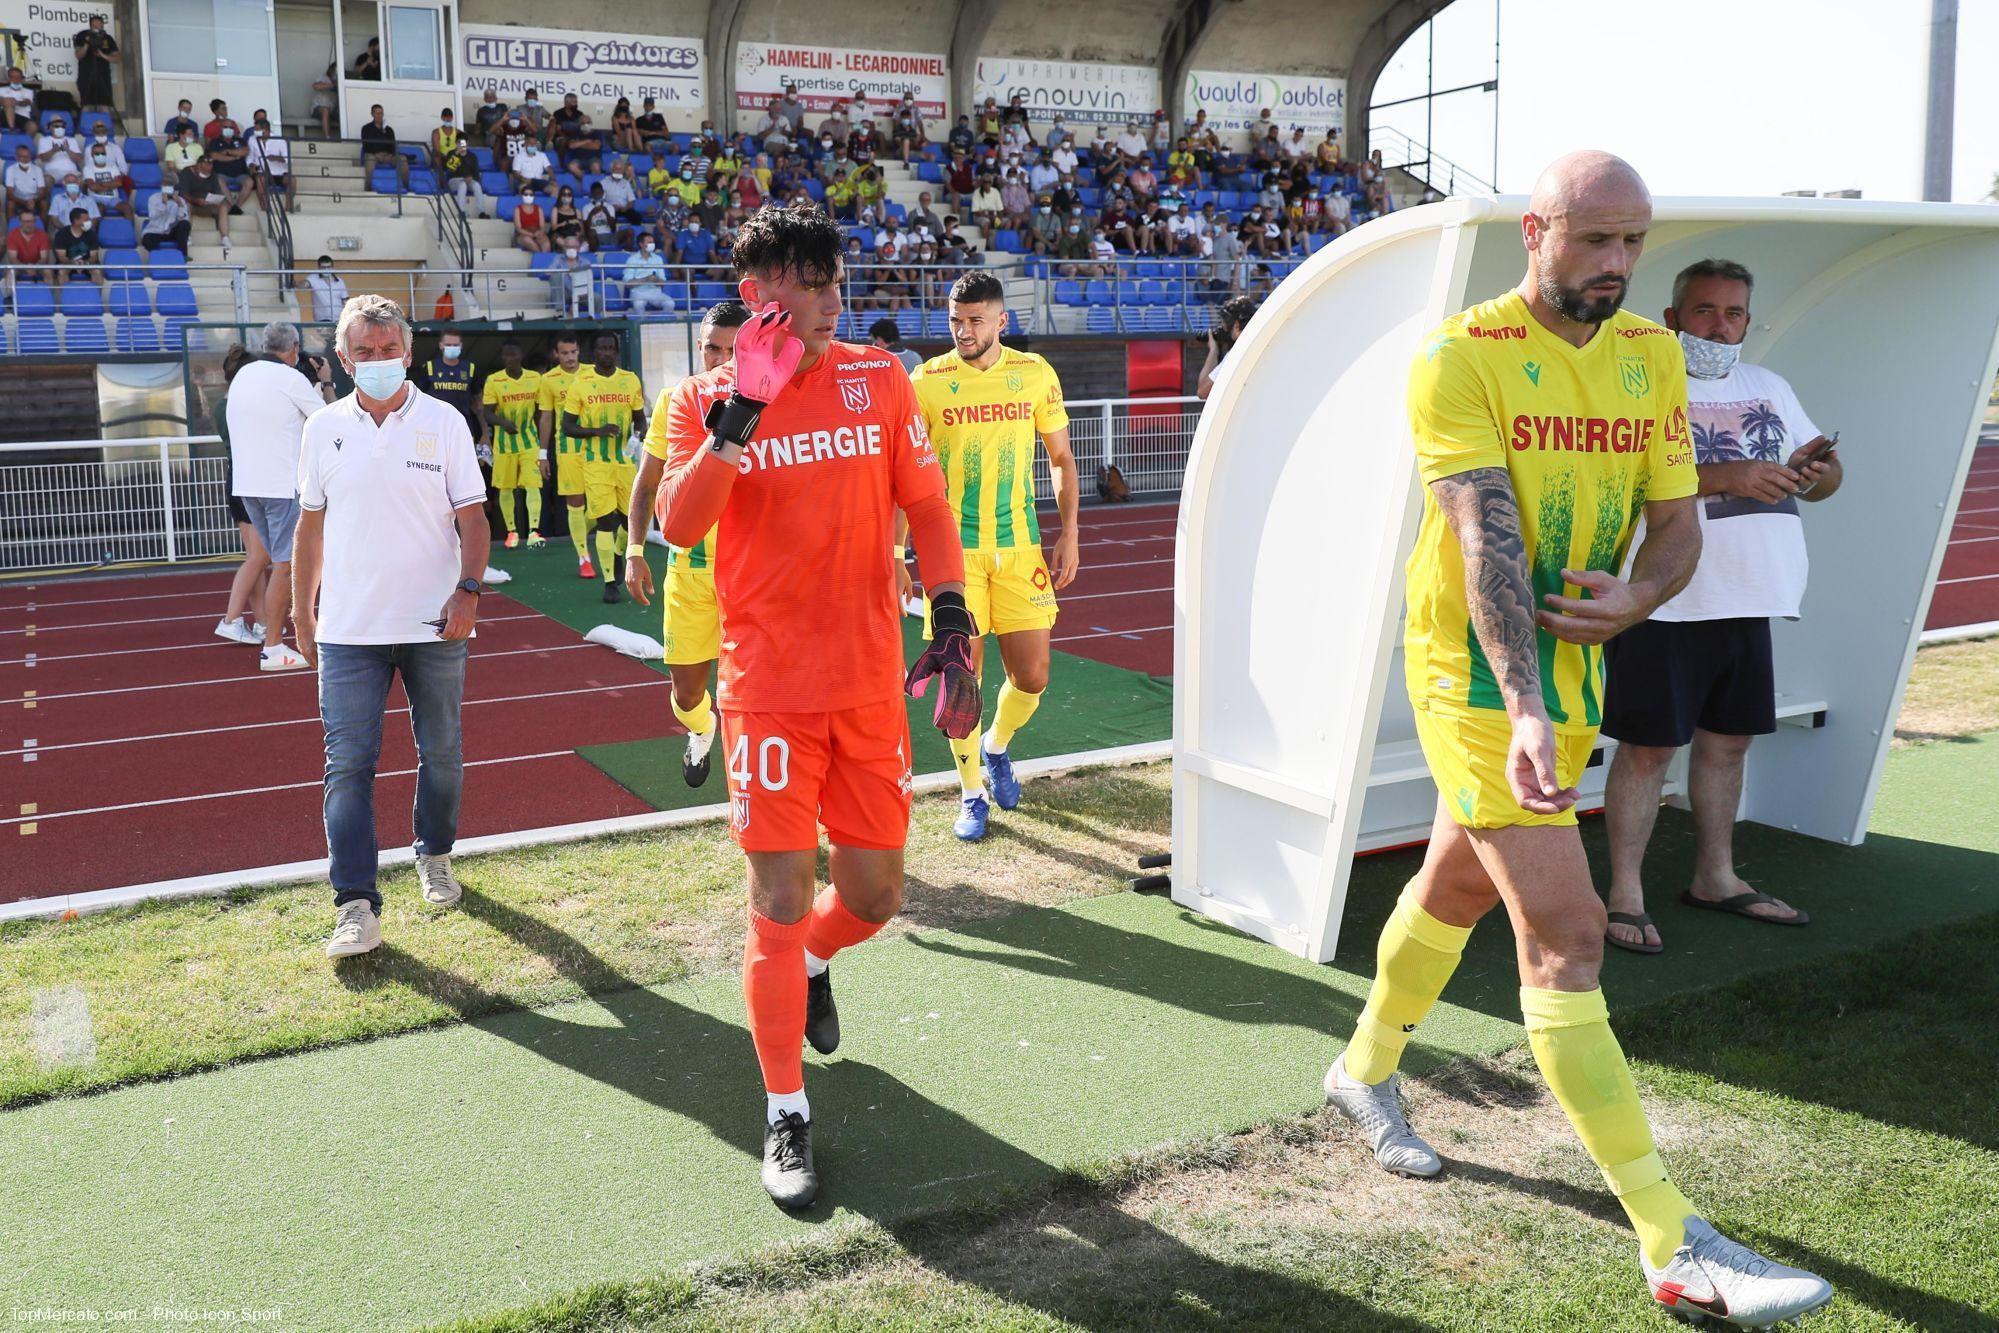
(1293, 742)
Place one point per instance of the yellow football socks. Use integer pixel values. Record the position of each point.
(699, 719)
(507, 510)
(1416, 957)
(1580, 1058)
(607, 554)
(579, 529)
(1015, 708)
(971, 773)
(533, 494)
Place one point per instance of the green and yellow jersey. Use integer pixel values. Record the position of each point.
(555, 382)
(982, 424)
(702, 554)
(511, 405)
(604, 400)
(1588, 435)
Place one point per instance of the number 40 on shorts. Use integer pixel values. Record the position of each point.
(773, 770)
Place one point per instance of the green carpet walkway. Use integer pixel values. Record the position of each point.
(1089, 705)
(491, 1164)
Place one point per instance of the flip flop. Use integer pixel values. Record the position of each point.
(1740, 904)
(1641, 921)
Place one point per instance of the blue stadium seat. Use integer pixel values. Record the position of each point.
(9, 142)
(495, 183)
(1148, 268)
(382, 180)
(82, 299)
(504, 206)
(708, 293)
(1318, 240)
(1098, 293)
(176, 298)
(123, 265)
(909, 323)
(33, 298)
(138, 335)
(937, 324)
(930, 172)
(115, 233)
(87, 124)
(6, 343)
(815, 189)
(1102, 319)
(1006, 239)
(484, 157)
(176, 334)
(83, 334)
(37, 336)
(167, 264)
(539, 263)
(140, 150)
(1068, 292)
(146, 175)
(142, 199)
(129, 298)
(423, 181)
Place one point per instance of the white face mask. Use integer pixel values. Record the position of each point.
(1709, 360)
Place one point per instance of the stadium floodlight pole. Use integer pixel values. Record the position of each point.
(1937, 121)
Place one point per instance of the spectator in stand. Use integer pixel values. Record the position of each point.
(1228, 169)
(835, 161)
(1103, 253)
(1270, 198)
(659, 177)
(906, 130)
(106, 178)
(1263, 127)
(1059, 136)
(569, 277)
(856, 295)
(728, 164)
(773, 121)
(270, 159)
(960, 180)
(651, 126)
(960, 137)
(837, 125)
(325, 95)
(1186, 235)
(530, 223)
(535, 114)
(754, 185)
(230, 157)
(1297, 148)
(1015, 138)
(205, 193)
(577, 142)
(268, 407)
(66, 198)
(1326, 157)
(792, 107)
(167, 220)
(1045, 227)
(59, 152)
(17, 103)
(1042, 175)
(696, 247)
(378, 149)
(1230, 321)
(329, 292)
(486, 121)
(251, 584)
(625, 136)
(869, 189)
(686, 188)
(29, 251)
(1143, 181)
(1016, 201)
(1339, 213)
(672, 219)
(458, 168)
(923, 219)
(1067, 197)
(953, 247)
(1062, 157)
(600, 222)
(1114, 225)
(1131, 146)
(368, 65)
(1267, 153)
(530, 168)
(696, 162)
(219, 119)
(988, 126)
(511, 140)
(864, 144)
(96, 52)
(710, 209)
(27, 183)
(987, 204)
(565, 221)
(1181, 168)
(889, 241)
(1159, 134)
(1374, 184)
(1200, 131)
(1072, 250)
(645, 280)
(181, 121)
(621, 196)
(1230, 253)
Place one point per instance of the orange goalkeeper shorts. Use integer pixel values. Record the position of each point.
(791, 773)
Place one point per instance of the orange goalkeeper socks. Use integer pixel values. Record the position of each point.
(774, 994)
(831, 928)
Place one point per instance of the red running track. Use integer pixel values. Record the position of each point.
(139, 747)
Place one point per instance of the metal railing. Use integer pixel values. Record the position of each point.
(164, 499)
(90, 503)
(117, 295)
(278, 227)
(1399, 152)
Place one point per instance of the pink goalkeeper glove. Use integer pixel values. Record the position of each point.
(766, 355)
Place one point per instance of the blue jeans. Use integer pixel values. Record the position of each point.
(353, 691)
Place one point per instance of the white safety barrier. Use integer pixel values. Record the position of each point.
(84, 503)
(1294, 742)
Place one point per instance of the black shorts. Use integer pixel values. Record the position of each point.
(237, 511)
(1664, 678)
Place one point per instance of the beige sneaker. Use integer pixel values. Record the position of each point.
(282, 658)
(355, 930)
(440, 886)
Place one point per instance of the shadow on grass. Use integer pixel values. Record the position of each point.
(906, 1158)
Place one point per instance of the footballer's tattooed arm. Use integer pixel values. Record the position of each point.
(1480, 508)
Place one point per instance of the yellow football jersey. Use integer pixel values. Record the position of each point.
(701, 555)
(982, 424)
(605, 400)
(1588, 435)
(555, 382)
(513, 416)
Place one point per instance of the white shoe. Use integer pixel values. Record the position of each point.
(355, 930)
(281, 658)
(912, 606)
(238, 632)
(1713, 1277)
(440, 886)
(1377, 1109)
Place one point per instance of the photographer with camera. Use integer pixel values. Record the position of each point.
(1230, 319)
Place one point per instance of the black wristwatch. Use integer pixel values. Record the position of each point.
(472, 586)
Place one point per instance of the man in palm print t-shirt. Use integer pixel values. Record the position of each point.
(1700, 669)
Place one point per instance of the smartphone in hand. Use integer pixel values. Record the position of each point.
(1818, 451)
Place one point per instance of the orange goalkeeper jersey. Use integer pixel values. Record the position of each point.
(803, 574)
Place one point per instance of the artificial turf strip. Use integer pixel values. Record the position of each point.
(1088, 705)
(491, 1163)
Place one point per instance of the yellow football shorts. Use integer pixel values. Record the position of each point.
(569, 474)
(692, 622)
(1466, 753)
(607, 487)
(1006, 591)
(520, 470)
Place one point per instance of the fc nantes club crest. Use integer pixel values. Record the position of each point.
(1014, 383)
(854, 393)
(1635, 375)
(426, 445)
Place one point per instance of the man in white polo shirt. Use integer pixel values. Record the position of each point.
(1700, 670)
(391, 542)
(268, 404)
